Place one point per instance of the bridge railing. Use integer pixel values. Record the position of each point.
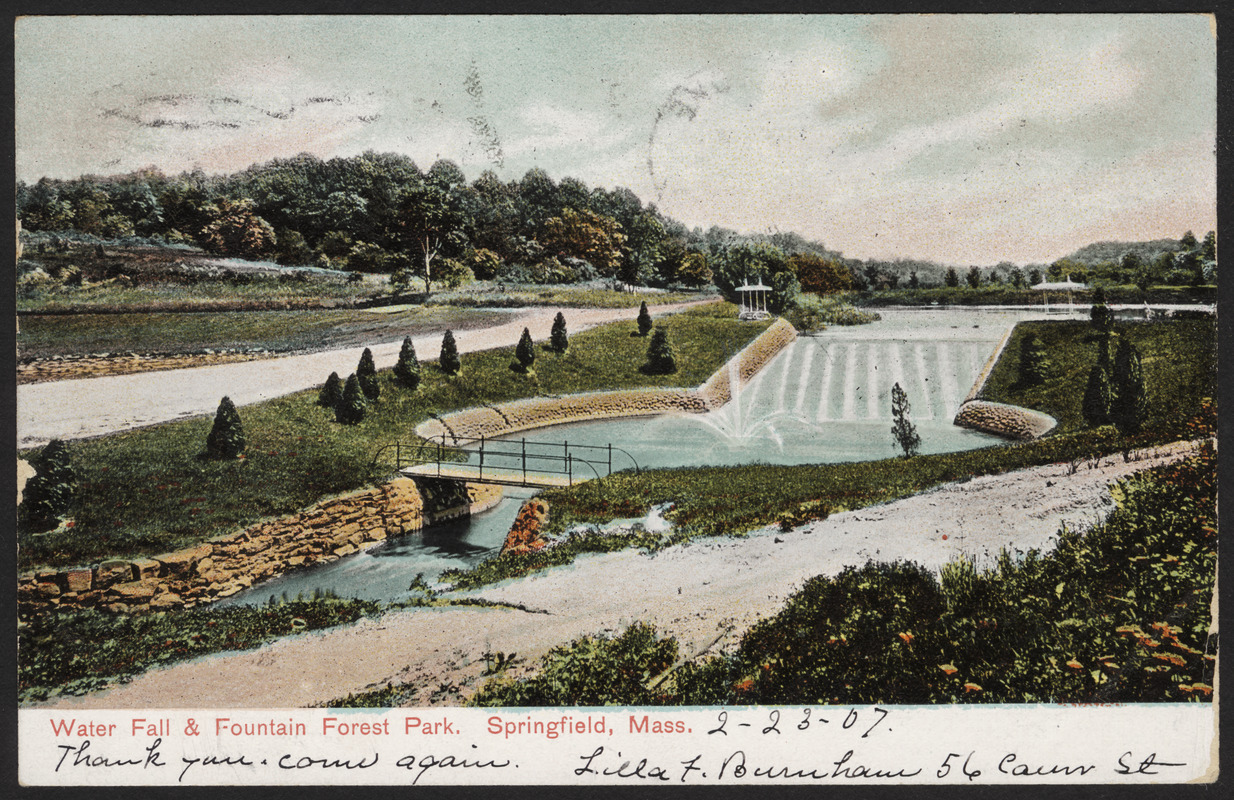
(504, 460)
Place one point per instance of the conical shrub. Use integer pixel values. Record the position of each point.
(644, 319)
(558, 340)
(660, 357)
(1097, 397)
(366, 373)
(407, 370)
(1130, 405)
(49, 494)
(332, 392)
(353, 406)
(448, 360)
(226, 439)
(526, 351)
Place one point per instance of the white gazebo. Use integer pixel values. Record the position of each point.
(1069, 286)
(753, 300)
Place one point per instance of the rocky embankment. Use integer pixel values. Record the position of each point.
(231, 563)
(1001, 419)
(524, 535)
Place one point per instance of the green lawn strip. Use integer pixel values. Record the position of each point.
(298, 330)
(1120, 613)
(147, 491)
(489, 295)
(1179, 370)
(261, 291)
(1179, 359)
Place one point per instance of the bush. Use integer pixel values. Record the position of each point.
(1130, 405)
(226, 439)
(332, 392)
(660, 357)
(353, 407)
(1097, 396)
(407, 370)
(591, 671)
(1034, 364)
(644, 319)
(558, 341)
(448, 361)
(525, 352)
(366, 373)
(49, 494)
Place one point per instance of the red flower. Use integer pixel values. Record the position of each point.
(907, 637)
(944, 537)
(971, 687)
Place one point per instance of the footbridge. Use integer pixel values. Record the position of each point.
(508, 462)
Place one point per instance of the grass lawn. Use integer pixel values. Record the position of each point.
(492, 295)
(146, 492)
(300, 330)
(1179, 358)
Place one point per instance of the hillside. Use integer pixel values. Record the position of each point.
(1112, 251)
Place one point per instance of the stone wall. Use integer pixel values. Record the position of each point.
(718, 389)
(539, 412)
(230, 563)
(1004, 420)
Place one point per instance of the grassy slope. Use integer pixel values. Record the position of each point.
(1179, 359)
(147, 492)
(318, 329)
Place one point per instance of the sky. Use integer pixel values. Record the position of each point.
(963, 139)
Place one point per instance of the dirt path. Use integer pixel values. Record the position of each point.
(705, 593)
(72, 409)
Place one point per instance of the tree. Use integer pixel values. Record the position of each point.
(913, 281)
(785, 291)
(644, 319)
(1102, 317)
(331, 392)
(661, 360)
(366, 374)
(525, 352)
(428, 219)
(1130, 404)
(1034, 364)
(49, 494)
(485, 264)
(973, 277)
(226, 439)
(1188, 242)
(558, 340)
(820, 275)
(407, 370)
(448, 361)
(1017, 277)
(234, 230)
(902, 428)
(1034, 276)
(694, 270)
(1208, 250)
(952, 278)
(596, 239)
(1097, 395)
(352, 408)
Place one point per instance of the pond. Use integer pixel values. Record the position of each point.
(823, 399)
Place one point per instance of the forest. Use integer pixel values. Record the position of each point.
(380, 213)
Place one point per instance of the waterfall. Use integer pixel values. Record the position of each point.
(787, 358)
(825, 389)
(947, 375)
(850, 383)
(871, 381)
(804, 381)
(927, 402)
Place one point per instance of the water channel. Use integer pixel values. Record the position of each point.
(823, 399)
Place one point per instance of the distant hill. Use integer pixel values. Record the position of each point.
(1112, 251)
